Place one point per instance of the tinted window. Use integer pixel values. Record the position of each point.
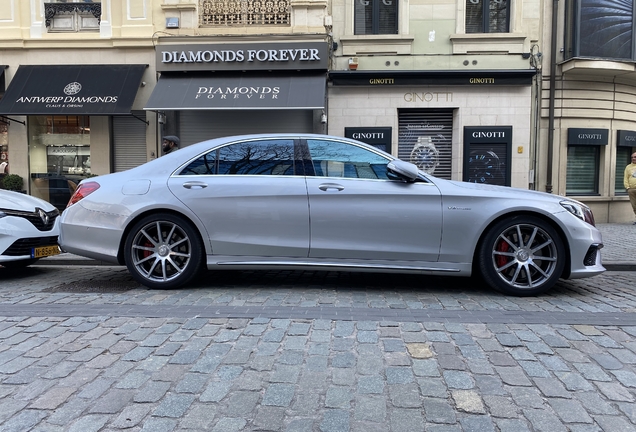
(599, 28)
(375, 17)
(336, 159)
(267, 157)
(487, 16)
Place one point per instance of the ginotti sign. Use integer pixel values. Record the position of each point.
(266, 56)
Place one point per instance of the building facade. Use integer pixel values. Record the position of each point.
(90, 87)
(449, 84)
(521, 93)
(588, 103)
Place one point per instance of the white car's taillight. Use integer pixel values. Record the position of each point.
(83, 190)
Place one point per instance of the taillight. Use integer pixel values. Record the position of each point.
(83, 190)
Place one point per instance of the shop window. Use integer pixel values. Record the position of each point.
(73, 15)
(59, 156)
(582, 170)
(425, 139)
(375, 17)
(487, 154)
(487, 16)
(623, 158)
(244, 12)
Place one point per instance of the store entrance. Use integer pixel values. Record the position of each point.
(59, 156)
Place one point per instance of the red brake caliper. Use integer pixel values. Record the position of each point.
(147, 253)
(502, 247)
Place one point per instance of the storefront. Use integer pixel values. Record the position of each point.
(473, 126)
(60, 103)
(212, 90)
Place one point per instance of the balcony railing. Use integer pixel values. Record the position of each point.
(73, 13)
(244, 12)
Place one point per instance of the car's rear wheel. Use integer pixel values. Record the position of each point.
(18, 264)
(522, 256)
(163, 251)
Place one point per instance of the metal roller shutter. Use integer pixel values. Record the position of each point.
(129, 142)
(425, 138)
(196, 126)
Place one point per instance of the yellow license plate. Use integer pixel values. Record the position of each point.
(44, 251)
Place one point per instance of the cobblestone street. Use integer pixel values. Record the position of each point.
(85, 348)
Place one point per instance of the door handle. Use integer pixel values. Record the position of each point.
(195, 185)
(327, 186)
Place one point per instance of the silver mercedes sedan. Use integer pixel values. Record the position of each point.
(303, 201)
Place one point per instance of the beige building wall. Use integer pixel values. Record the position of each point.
(498, 106)
(588, 93)
(432, 36)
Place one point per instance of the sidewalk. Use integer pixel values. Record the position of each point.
(618, 253)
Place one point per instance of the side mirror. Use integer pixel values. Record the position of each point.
(400, 170)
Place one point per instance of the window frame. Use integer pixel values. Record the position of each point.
(573, 27)
(312, 172)
(187, 169)
(77, 12)
(375, 17)
(400, 43)
(485, 17)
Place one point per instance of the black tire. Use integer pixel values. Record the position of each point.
(163, 251)
(15, 265)
(522, 256)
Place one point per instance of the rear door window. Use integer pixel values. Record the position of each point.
(257, 157)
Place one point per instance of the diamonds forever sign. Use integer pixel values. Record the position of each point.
(270, 56)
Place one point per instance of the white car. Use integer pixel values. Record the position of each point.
(29, 229)
(303, 201)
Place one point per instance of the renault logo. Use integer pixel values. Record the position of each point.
(43, 216)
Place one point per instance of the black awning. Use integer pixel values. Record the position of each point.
(2, 82)
(206, 92)
(72, 90)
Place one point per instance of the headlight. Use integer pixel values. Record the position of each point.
(579, 210)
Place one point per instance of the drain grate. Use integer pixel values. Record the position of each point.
(96, 286)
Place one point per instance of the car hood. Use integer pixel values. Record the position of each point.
(485, 189)
(521, 198)
(18, 201)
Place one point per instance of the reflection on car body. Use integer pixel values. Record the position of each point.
(305, 201)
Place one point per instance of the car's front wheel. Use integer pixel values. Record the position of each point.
(163, 251)
(522, 255)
